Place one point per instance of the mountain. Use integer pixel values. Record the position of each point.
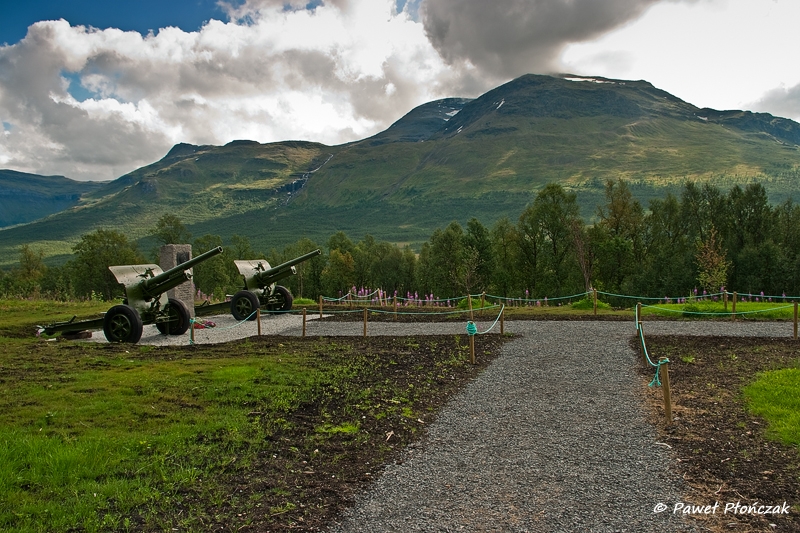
(446, 160)
(27, 197)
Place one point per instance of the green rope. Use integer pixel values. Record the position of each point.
(656, 379)
(472, 329)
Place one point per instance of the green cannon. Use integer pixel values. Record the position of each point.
(261, 288)
(146, 302)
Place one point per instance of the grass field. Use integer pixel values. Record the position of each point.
(276, 433)
(259, 433)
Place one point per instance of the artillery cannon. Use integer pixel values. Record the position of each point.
(261, 288)
(146, 302)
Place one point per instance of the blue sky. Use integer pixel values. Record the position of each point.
(141, 15)
(87, 92)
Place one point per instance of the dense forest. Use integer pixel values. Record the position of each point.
(705, 239)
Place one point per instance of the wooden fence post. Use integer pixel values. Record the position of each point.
(365, 322)
(471, 314)
(594, 291)
(304, 322)
(733, 307)
(725, 300)
(502, 320)
(795, 321)
(664, 370)
(320, 307)
(472, 349)
(395, 308)
(258, 319)
(483, 300)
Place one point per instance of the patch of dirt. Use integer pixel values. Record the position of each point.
(445, 314)
(301, 481)
(722, 451)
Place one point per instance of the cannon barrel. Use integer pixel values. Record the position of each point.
(283, 270)
(173, 277)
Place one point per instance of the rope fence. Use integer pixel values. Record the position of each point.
(661, 367)
(661, 377)
(365, 303)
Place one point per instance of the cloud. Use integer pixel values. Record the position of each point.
(507, 37)
(782, 102)
(93, 104)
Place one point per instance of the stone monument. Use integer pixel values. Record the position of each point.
(173, 255)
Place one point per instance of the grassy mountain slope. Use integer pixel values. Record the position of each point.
(197, 183)
(445, 160)
(26, 197)
(537, 129)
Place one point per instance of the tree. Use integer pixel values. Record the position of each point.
(669, 263)
(584, 252)
(557, 211)
(339, 274)
(529, 242)
(308, 281)
(31, 266)
(619, 239)
(214, 276)
(505, 253)
(478, 242)
(447, 261)
(241, 248)
(94, 253)
(170, 230)
(712, 265)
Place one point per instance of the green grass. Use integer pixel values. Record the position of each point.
(711, 309)
(102, 437)
(88, 438)
(775, 396)
(20, 317)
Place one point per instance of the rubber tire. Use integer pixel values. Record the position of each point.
(180, 319)
(243, 305)
(122, 324)
(285, 299)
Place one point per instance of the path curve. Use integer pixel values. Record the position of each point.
(551, 437)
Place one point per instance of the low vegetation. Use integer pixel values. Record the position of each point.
(264, 433)
(735, 430)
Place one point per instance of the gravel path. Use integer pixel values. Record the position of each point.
(551, 437)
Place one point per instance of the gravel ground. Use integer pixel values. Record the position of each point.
(552, 437)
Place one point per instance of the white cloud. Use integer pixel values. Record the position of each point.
(722, 54)
(94, 104)
(330, 75)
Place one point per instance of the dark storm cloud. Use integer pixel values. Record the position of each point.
(782, 102)
(507, 38)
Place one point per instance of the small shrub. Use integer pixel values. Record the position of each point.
(588, 304)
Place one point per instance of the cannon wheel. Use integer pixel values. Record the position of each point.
(122, 324)
(179, 318)
(243, 305)
(281, 299)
